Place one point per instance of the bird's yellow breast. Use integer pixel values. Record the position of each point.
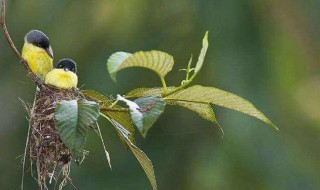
(38, 60)
(61, 79)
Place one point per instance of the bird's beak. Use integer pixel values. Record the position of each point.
(49, 52)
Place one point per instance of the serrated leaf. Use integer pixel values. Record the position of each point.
(118, 113)
(201, 94)
(115, 61)
(97, 97)
(157, 61)
(143, 159)
(203, 52)
(72, 119)
(202, 109)
(151, 107)
(141, 92)
(124, 119)
(145, 111)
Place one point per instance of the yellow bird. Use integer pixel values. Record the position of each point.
(64, 75)
(38, 53)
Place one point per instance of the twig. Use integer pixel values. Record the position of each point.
(98, 131)
(33, 77)
(5, 30)
(24, 157)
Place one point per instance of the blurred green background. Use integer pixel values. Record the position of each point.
(264, 51)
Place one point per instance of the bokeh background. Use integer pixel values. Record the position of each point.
(264, 51)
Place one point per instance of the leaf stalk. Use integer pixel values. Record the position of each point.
(113, 104)
(164, 85)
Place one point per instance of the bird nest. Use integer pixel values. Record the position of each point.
(47, 152)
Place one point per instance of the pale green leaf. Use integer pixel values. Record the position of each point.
(202, 109)
(200, 94)
(151, 108)
(145, 111)
(117, 113)
(115, 61)
(141, 92)
(72, 119)
(203, 52)
(124, 119)
(157, 61)
(143, 159)
(93, 95)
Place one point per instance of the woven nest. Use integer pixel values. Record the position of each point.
(47, 152)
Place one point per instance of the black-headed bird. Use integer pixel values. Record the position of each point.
(64, 75)
(38, 53)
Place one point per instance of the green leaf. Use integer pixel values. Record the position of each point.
(117, 113)
(143, 159)
(201, 94)
(157, 61)
(203, 52)
(141, 92)
(145, 111)
(202, 109)
(151, 108)
(124, 119)
(97, 97)
(72, 119)
(115, 61)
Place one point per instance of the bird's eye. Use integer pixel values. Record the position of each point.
(39, 45)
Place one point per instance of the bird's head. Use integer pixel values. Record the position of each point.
(39, 40)
(67, 65)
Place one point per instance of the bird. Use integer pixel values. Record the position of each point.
(37, 52)
(64, 75)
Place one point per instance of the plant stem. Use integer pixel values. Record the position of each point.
(98, 131)
(164, 85)
(5, 30)
(186, 83)
(188, 68)
(114, 109)
(3, 25)
(106, 117)
(113, 104)
(187, 75)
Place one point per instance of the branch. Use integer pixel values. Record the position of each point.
(33, 77)
(5, 30)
